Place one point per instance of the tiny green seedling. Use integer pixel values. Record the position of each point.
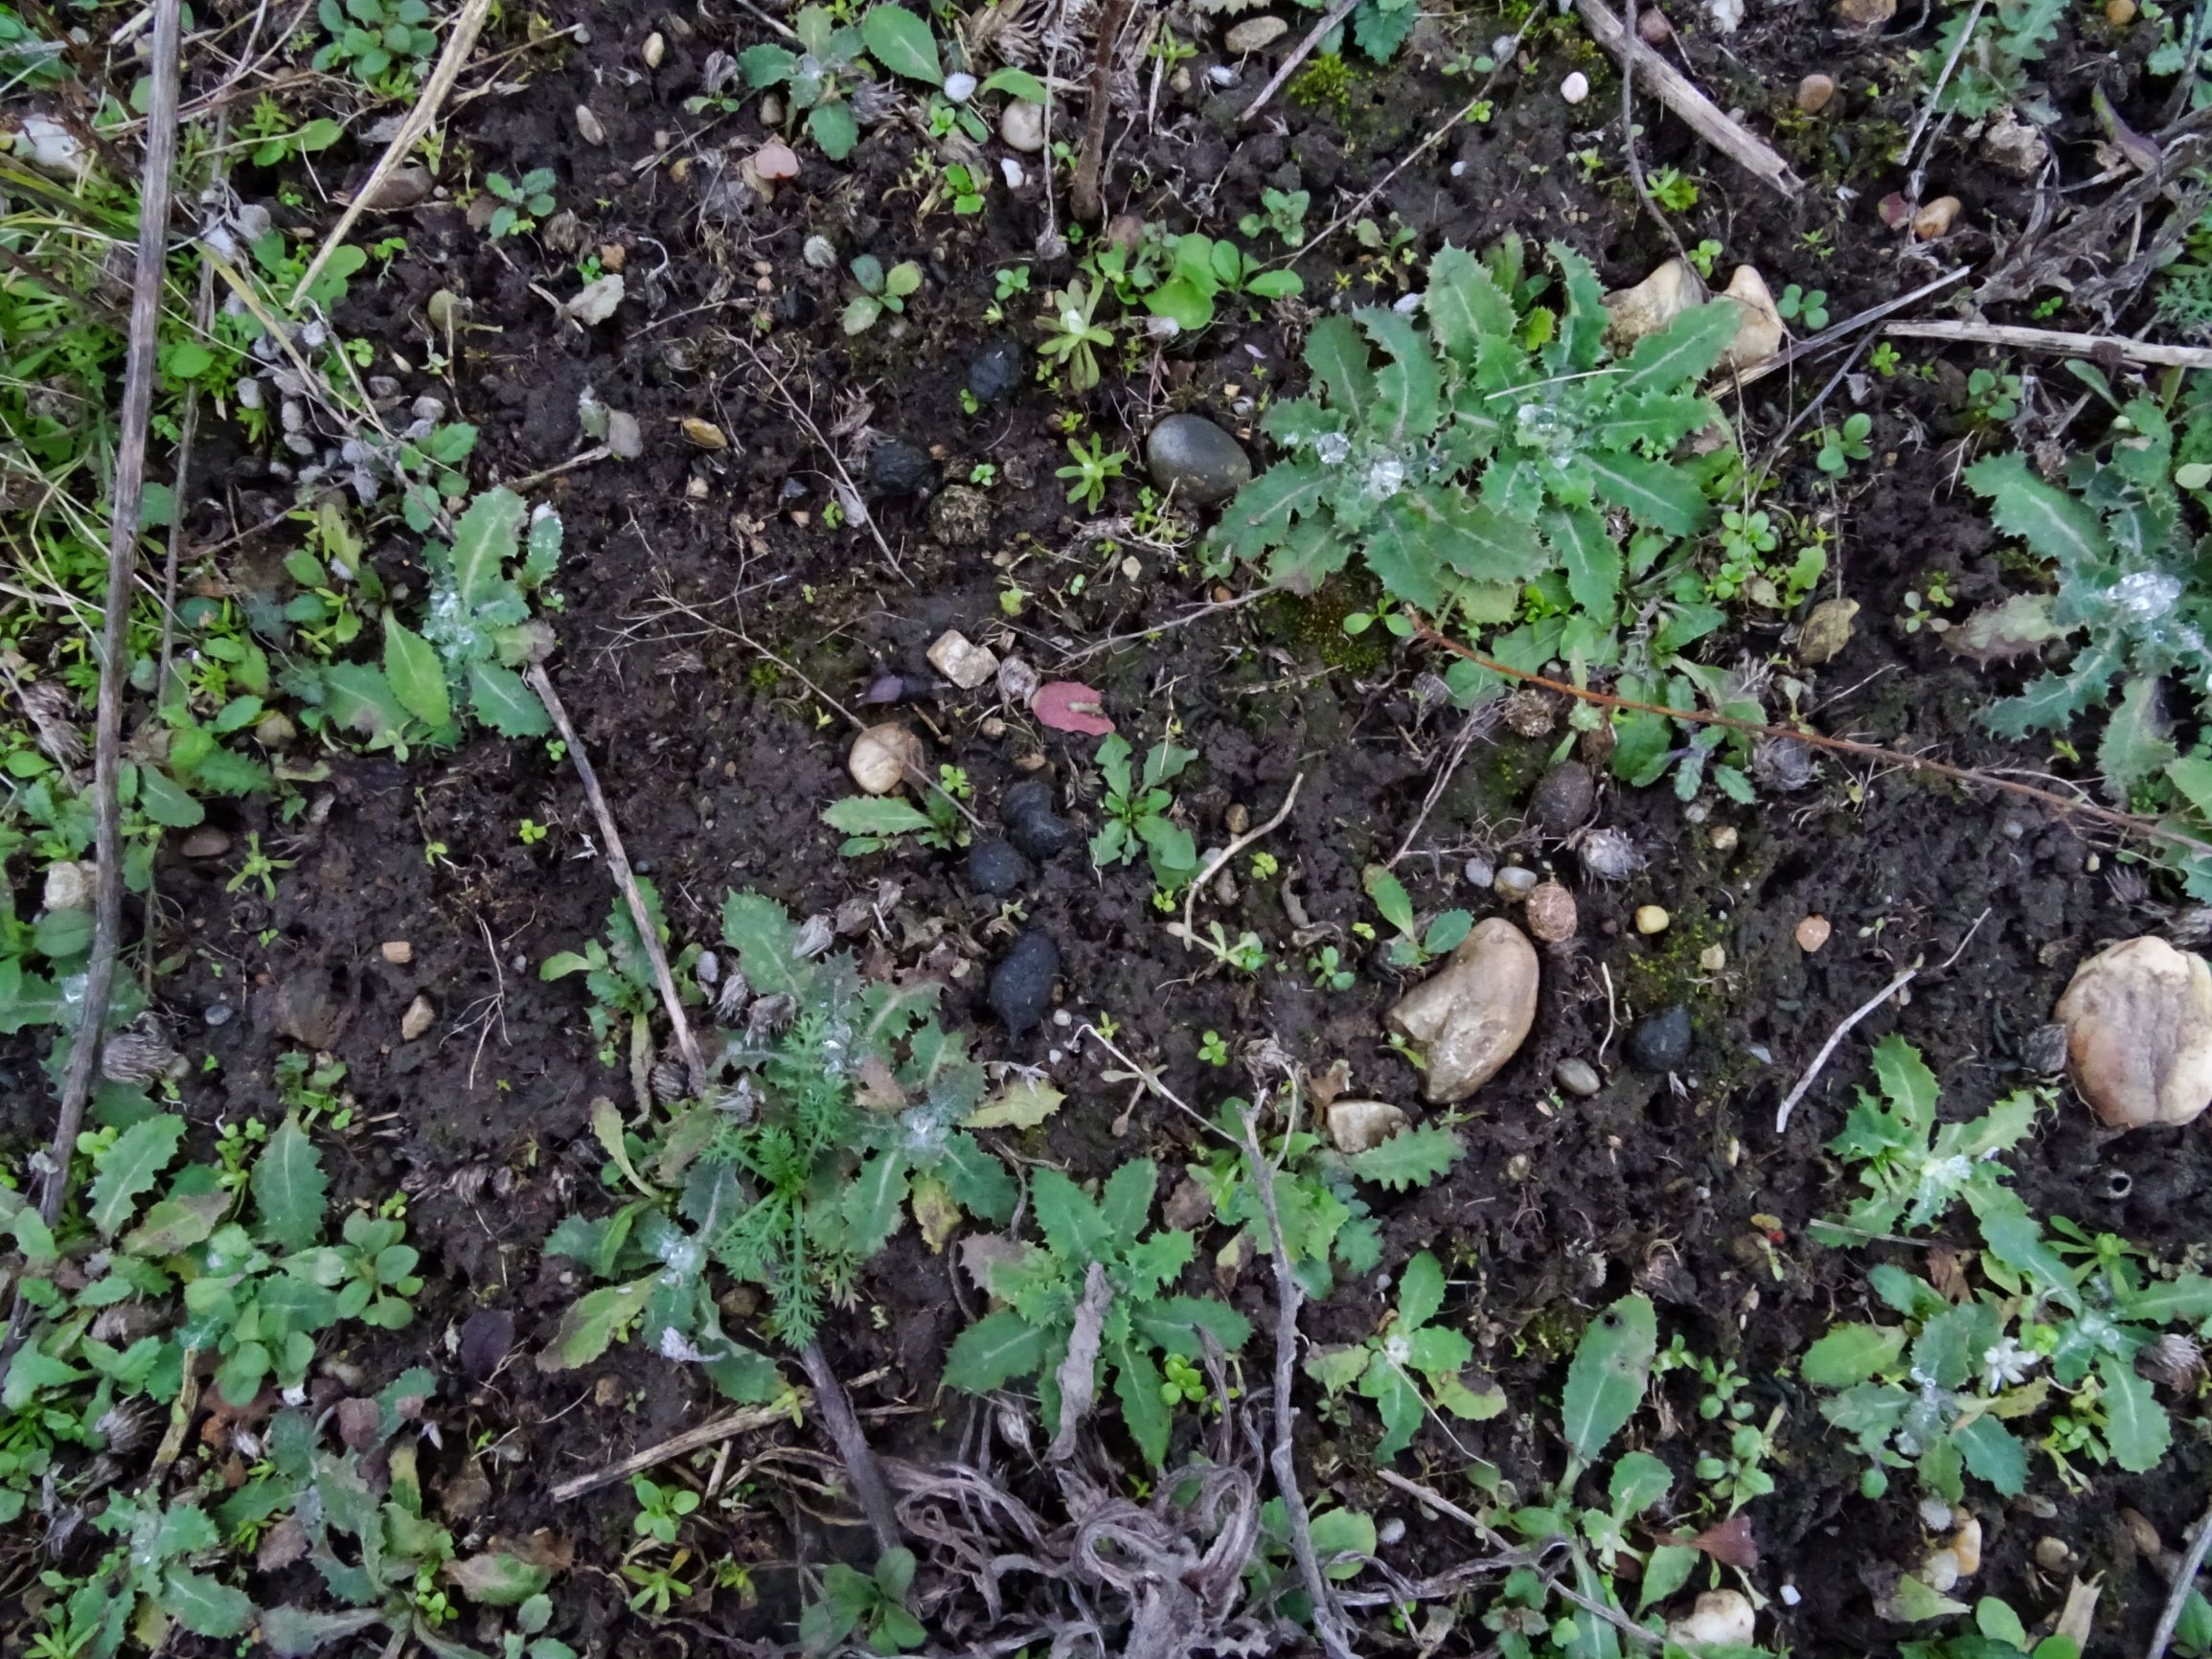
(1136, 809)
(1073, 333)
(1213, 1050)
(530, 832)
(521, 205)
(881, 290)
(1836, 448)
(1802, 306)
(369, 38)
(1327, 971)
(1091, 472)
(873, 1604)
(258, 866)
(1413, 945)
(1674, 191)
(660, 1509)
(1390, 1369)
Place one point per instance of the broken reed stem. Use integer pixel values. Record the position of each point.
(1328, 1616)
(1834, 334)
(1299, 53)
(618, 861)
(2124, 823)
(1222, 858)
(1198, 613)
(450, 61)
(1084, 200)
(1850, 1022)
(706, 1433)
(129, 503)
(2170, 1616)
(2062, 341)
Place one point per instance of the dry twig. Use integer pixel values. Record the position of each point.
(458, 45)
(129, 502)
(1084, 199)
(618, 861)
(2126, 822)
(1298, 55)
(1851, 1020)
(2184, 1581)
(2064, 342)
(1222, 858)
(1679, 94)
(1282, 1458)
(705, 1434)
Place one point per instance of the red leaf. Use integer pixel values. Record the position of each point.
(776, 159)
(1729, 1543)
(1071, 706)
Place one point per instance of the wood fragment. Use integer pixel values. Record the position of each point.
(1680, 94)
(459, 43)
(1222, 858)
(2064, 342)
(721, 1429)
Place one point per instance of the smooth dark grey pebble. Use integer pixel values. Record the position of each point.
(1031, 823)
(995, 868)
(1660, 1042)
(995, 372)
(1563, 800)
(898, 468)
(1202, 464)
(1577, 1077)
(1022, 983)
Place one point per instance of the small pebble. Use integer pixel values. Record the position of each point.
(1564, 799)
(1712, 958)
(1022, 127)
(2119, 14)
(1514, 882)
(1575, 87)
(1723, 838)
(1194, 458)
(995, 868)
(1813, 933)
(1478, 872)
(1022, 983)
(398, 952)
(1815, 93)
(1660, 1042)
(216, 1013)
(588, 127)
(1651, 919)
(655, 48)
(1936, 218)
(1392, 1531)
(1652, 26)
(1577, 1077)
(1552, 916)
(203, 844)
(418, 1018)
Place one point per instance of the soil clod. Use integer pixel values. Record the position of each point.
(995, 868)
(1660, 1042)
(1022, 983)
(1033, 826)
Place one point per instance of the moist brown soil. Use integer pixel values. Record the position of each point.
(718, 768)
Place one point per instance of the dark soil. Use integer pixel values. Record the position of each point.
(718, 767)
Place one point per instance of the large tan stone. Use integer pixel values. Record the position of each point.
(2138, 1019)
(1468, 1018)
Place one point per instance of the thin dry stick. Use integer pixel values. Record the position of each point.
(1852, 1019)
(129, 501)
(837, 1411)
(589, 458)
(706, 1433)
(618, 861)
(1084, 200)
(1837, 333)
(1679, 94)
(1436, 1501)
(458, 45)
(1198, 613)
(1636, 162)
(798, 412)
(2185, 1581)
(1282, 1457)
(1299, 53)
(2062, 341)
(1478, 720)
(1935, 97)
(2126, 822)
(1220, 859)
